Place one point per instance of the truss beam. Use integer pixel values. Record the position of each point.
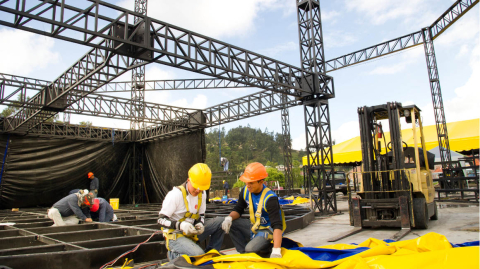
(174, 84)
(79, 132)
(245, 107)
(164, 43)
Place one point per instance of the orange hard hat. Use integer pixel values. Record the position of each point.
(95, 206)
(90, 174)
(254, 172)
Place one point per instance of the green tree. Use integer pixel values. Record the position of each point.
(86, 123)
(275, 175)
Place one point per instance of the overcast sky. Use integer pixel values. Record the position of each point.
(270, 27)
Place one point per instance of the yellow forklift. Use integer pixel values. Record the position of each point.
(395, 187)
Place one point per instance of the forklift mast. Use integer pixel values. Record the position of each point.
(386, 170)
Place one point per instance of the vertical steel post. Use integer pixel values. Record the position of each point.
(316, 109)
(138, 79)
(287, 148)
(138, 105)
(434, 79)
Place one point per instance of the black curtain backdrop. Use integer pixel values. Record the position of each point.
(169, 161)
(40, 171)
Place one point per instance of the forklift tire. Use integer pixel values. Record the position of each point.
(435, 212)
(420, 212)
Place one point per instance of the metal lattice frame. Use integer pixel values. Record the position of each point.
(95, 69)
(437, 100)
(237, 109)
(316, 109)
(287, 147)
(138, 77)
(320, 170)
(174, 84)
(164, 43)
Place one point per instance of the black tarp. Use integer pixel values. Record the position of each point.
(40, 171)
(169, 161)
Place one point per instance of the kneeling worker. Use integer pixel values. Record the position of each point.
(101, 210)
(182, 216)
(70, 209)
(267, 220)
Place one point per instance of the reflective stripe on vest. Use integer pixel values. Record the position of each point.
(255, 218)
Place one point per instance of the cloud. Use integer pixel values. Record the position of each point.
(274, 51)
(464, 105)
(23, 52)
(214, 18)
(329, 16)
(337, 39)
(346, 131)
(412, 12)
(299, 142)
(199, 102)
(463, 30)
(407, 58)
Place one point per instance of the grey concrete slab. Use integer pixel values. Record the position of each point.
(458, 222)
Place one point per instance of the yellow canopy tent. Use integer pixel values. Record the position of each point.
(463, 136)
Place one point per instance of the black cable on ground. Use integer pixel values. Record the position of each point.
(130, 251)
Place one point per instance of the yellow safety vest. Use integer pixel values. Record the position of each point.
(170, 234)
(255, 218)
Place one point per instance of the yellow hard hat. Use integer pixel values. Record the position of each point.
(200, 176)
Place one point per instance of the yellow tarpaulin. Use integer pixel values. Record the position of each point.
(463, 135)
(431, 251)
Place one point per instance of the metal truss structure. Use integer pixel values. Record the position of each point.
(317, 117)
(287, 148)
(174, 84)
(124, 40)
(437, 100)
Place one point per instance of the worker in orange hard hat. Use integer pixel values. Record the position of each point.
(94, 183)
(267, 220)
(182, 216)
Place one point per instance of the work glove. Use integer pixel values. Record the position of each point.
(200, 228)
(276, 253)
(187, 228)
(226, 224)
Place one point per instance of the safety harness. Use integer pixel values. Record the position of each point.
(256, 218)
(171, 234)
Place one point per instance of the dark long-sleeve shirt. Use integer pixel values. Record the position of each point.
(105, 211)
(68, 206)
(225, 185)
(272, 206)
(94, 184)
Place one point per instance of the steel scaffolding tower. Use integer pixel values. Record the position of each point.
(320, 169)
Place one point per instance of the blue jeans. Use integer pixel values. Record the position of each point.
(244, 240)
(225, 167)
(184, 245)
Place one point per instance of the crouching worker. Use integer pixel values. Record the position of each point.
(101, 210)
(70, 209)
(267, 220)
(183, 216)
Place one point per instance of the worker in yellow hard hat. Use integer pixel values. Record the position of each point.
(226, 187)
(182, 216)
(267, 221)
